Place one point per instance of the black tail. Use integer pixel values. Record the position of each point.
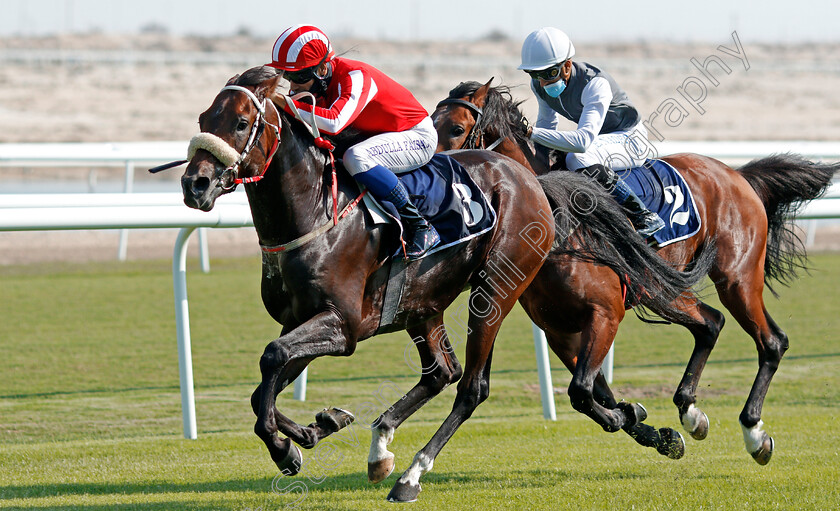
(591, 226)
(783, 182)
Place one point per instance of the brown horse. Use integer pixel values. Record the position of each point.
(743, 211)
(325, 267)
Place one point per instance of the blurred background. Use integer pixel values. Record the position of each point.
(120, 71)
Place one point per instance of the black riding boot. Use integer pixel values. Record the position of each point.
(645, 221)
(419, 235)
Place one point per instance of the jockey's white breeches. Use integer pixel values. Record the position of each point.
(398, 151)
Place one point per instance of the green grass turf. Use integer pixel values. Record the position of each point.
(90, 407)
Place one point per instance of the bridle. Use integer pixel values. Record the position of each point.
(228, 179)
(256, 131)
(475, 138)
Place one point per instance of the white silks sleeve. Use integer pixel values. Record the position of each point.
(596, 97)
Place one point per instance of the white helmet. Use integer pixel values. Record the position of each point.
(545, 47)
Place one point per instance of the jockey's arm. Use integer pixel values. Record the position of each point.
(357, 90)
(596, 99)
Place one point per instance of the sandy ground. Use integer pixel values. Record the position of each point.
(97, 88)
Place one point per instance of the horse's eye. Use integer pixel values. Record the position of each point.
(457, 131)
(242, 126)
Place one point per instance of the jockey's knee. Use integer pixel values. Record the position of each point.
(578, 161)
(356, 161)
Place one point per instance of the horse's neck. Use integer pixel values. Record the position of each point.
(522, 152)
(290, 201)
(530, 154)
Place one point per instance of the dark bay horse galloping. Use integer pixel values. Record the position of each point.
(325, 267)
(744, 211)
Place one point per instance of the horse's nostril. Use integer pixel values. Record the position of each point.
(200, 185)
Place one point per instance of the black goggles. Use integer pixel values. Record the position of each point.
(302, 76)
(546, 74)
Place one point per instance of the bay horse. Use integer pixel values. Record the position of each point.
(325, 267)
(744, 211)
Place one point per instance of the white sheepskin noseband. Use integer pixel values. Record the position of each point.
(215, 146)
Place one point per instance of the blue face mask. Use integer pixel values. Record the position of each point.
(556, 88)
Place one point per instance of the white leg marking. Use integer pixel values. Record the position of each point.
(419, 466)
(753, 437)
(690, 418)
(380, 438)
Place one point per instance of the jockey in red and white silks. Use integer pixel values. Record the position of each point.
(400, 135)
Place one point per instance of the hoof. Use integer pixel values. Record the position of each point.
(334, 419)
(402, 492)
(763, 454)
(641, 412)
(378, 471)
(292, 463)
(635, 413)
(702, 429)
(672, 444)
(696, 423)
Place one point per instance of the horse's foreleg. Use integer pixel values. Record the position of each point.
(596, 338)
(439, 368)
(705, 328)
(666, 441)
(282, 361)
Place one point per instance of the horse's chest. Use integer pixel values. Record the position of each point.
(271, 265)
(303, 285)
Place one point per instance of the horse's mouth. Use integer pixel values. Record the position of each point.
(198, 194)
(203, 205)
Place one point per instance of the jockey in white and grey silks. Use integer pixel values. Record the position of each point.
(609, 134)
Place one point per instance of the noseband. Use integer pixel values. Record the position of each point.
(228, 179)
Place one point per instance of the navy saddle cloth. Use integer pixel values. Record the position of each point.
(665, 192)
(448, 197)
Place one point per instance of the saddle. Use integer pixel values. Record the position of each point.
(664, 191)
(447, 197)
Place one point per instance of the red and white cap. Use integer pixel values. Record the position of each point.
(300, 47)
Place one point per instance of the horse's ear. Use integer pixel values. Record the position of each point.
(268, 88)
(479, 96)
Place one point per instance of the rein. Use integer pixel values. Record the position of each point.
(475, 138)
(224, 153)
(306, 238)
(325, 144)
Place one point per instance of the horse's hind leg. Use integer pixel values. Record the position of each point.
(439, 368)
(743, 298)
(705, 327)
